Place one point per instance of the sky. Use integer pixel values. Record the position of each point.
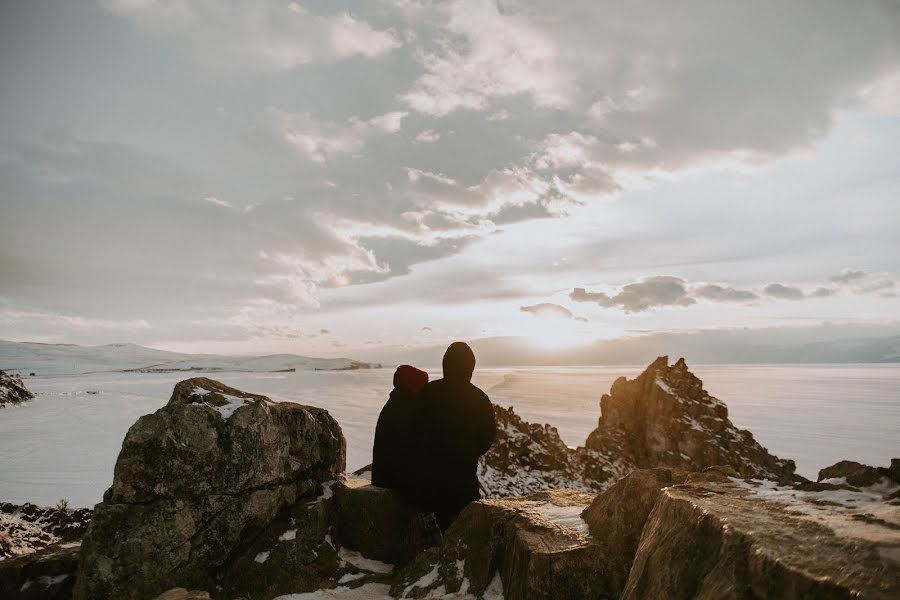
(330, 178)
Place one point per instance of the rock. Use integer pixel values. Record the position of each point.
(196, 482)
(664, 418)
(294, 554)
(377, 522)
(531, 547)
(671, 534)
(27, 528)
(48, 574)
(526, 457)
(12, 390)
(616, 517)
(859, 475)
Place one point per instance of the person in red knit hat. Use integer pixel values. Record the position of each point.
(391, 451)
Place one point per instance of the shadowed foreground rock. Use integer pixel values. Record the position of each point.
(715, 536)
(533, 547)
(196, 482)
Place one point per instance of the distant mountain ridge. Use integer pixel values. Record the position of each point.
(70, 359)
(706, 347)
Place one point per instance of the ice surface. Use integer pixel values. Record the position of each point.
(64, 442)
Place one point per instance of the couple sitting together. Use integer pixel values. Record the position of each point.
(430, 436)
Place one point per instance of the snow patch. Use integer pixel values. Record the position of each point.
(567, 516)
(362, 563)
(862, 515)
(262, 557)
(347, 578)
(290, 534)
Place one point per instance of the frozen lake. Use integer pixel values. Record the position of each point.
(64, 443)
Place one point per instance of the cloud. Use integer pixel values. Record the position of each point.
(321, 141)
(848, 275)
(822, 292)
(428, 136)
(548, 309)
(272, 35)
(784, 292)
(718, 293)
(636, 297)
(879, 285)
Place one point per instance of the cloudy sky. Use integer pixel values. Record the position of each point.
(327, 177)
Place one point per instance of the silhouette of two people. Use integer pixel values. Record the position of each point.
(430, 436)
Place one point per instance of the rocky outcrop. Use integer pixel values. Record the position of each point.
(531, 547)
(735, 539)
(847, 472)
(27, 528)
(664, 418)
(12, 390)
(527, 457)
(48, 574)
(196, 482)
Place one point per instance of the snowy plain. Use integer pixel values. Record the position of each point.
(64, 443)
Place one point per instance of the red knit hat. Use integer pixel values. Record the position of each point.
(410, 378)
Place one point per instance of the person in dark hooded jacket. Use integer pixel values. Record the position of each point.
(394, 432)
(457, 426)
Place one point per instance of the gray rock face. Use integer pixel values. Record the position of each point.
(12, 390)
(196, 481)
(664, 418)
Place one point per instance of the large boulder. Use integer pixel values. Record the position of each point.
(664, 418)
(196, 482)
(12, 390)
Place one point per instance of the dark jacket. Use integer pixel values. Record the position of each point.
(457, 427)
(395, 431)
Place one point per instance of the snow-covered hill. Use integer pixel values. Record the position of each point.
(69, 359)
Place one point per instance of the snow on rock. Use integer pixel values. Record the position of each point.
(664, 418)
(262, 557)
(12, 390)
(369, 591)
(27, 528)
(362, 563)
(290, 534)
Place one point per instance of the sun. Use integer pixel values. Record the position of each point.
(556, 333)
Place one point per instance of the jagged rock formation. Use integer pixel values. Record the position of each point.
(664, 417)
(12, 390)
(198, 480)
